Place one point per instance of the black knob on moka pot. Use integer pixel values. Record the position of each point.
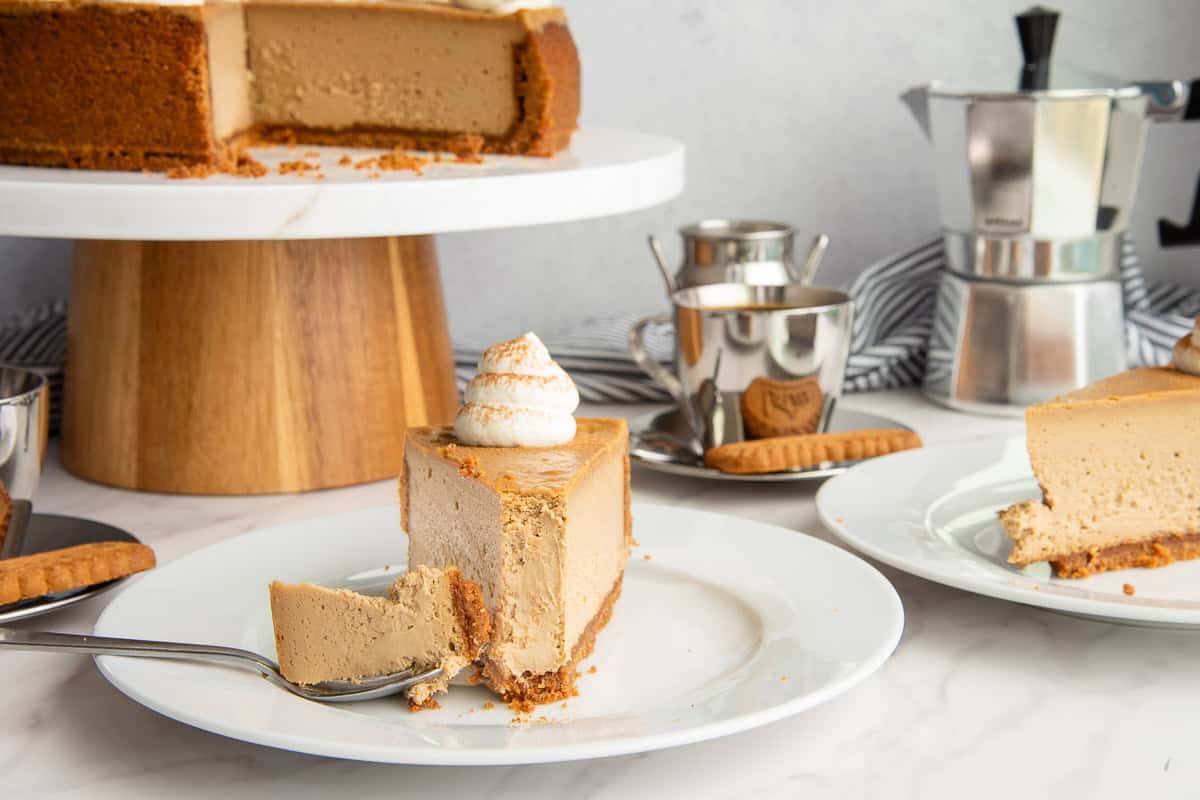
(1036, 28)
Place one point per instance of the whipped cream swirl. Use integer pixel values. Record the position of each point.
(1186, 356)
(520, 398)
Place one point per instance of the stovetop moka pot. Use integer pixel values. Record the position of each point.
(1036, 181)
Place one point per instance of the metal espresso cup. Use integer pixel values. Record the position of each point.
(24, 423)
(752, 361)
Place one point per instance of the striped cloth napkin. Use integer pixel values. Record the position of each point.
(895, 300)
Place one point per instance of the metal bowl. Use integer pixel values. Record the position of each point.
(24, 424)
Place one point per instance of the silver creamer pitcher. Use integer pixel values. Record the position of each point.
(752, 252)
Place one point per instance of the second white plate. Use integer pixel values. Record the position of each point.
(723, 625)
(932, 512)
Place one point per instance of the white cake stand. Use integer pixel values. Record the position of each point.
(246, 335)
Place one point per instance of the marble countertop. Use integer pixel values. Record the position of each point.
(983, 698)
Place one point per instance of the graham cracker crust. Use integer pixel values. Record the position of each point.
(474, 620)
(1157, 552)
(525, 691)
(472, 613)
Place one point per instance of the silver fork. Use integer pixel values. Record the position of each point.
(326, 692)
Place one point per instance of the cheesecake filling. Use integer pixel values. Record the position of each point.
(229, 77)
(317, 65)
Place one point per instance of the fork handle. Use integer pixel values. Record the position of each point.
(47, 641)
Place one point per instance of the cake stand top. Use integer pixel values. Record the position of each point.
(605, 172)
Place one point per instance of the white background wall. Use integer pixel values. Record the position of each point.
(789, 111)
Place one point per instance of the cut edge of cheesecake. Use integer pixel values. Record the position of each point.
(1110, 530)
(190, 116)
(525, 689)
(430, 618)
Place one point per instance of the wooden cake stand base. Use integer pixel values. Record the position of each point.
(248, 367)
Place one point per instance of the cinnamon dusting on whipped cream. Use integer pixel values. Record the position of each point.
(520, 398)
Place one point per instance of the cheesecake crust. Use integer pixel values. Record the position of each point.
(1157, 552)
(85, 110)
(527, 690)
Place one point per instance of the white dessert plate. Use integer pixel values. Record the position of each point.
(932, 513)
(723, 625)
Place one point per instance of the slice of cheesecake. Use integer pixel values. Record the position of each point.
(430, 618)
(1119, 467)
(545, 531)
(185, 84)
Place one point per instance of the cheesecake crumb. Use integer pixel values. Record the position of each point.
(489, 705)
(247, 166)
(522, 706)
(470, 710)
(311, 154)
(784, 679)
(592, 669)
(564, 705)
(397, 160)
(428, 705)
(345, 161)
(634, 542)
(298, 167)
(1129, 589)
(188, 171)
(469, 467)
(465, 146)
(646, 557)
(840, 520)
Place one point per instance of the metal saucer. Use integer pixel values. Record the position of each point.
(661, 441)
(53, 532)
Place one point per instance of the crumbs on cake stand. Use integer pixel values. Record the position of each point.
(1129, 589)
(302, 168)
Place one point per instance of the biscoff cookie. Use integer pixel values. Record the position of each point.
(5, 513)
(794, 452)
(26, 577)
(772, 407)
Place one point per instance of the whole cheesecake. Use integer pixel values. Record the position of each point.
(159, 86)
(1118, 463)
